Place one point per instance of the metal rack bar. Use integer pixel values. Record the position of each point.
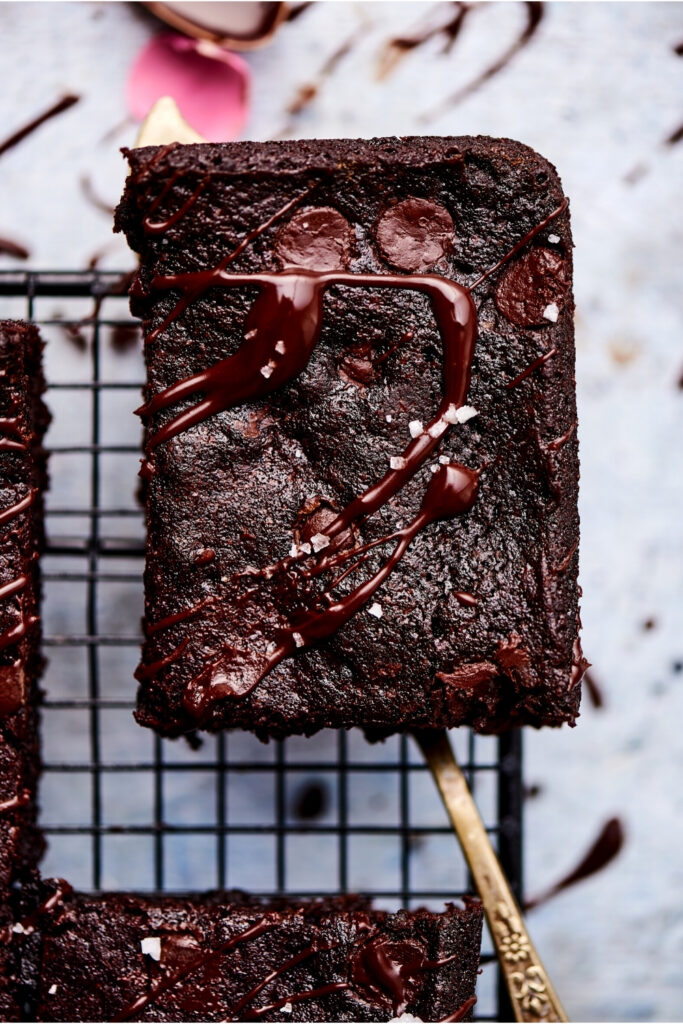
(108, 537)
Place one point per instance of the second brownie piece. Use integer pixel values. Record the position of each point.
(361, 466)
(225, 956)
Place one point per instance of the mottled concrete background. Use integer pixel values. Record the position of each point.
(598, 91)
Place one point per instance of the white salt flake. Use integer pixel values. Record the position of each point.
(444, 460)
(287, 1008)
(251, 334)
(299, 454)
(406, 1018)
(298, 639)
(451, 414)
(306, 548)
(397, 462)
(388, 417)
(151, 946)
(280, 347)
(267, 370)
(293, 551)
(415, 427)
(551, 312)
(434, 468)
(376, 610)
(19, 929)
(438, 426)
(554, 239)
(465, 413)
(52, 989)
(319, 541)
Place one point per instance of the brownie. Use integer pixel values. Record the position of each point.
(361, 460)
(227, 956)
(23, 420)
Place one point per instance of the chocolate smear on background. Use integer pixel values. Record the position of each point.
(605, 848)
(57, 108)
(675, 136)
(593, 690)
(534, 16)
(306, 93)
(16, 249)
(91, 195)
(398, 47)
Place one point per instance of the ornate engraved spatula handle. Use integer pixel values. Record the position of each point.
(532, 995)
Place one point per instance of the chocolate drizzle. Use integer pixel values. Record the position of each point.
(530, 369)
(283, 328)
(204, 958)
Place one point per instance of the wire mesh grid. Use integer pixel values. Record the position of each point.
(123, 809)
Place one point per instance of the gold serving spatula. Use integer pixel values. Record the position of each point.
(531, 993)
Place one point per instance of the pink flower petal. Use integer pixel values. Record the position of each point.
(209, 84)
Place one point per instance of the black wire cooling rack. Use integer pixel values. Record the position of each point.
(123, 809)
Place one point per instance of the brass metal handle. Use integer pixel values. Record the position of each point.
(532, 995)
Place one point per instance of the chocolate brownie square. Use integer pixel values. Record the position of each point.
(23, 420)
(361, 460)
(226, 956)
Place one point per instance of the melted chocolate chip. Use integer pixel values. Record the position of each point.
(317, 239)
(535, 281)
(414, 234)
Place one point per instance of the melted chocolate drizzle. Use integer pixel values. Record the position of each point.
(282, 330)
(530, 369)
(266, 924)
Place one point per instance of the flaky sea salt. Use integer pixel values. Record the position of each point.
(553, 239)
(444, 460)
(251, 334)
(376, 610)
(388, 417)
(151, 946)
(434, 468)
(298, 639)
(267, 370)
(397, 462)
(438, 427)
(415, 427)
(319, 541)
(280, 347)
(287, 1008)
(551, 312)
(293, 551)
(52, 989)
(465, 413)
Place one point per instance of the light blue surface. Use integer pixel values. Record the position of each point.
(597, 91)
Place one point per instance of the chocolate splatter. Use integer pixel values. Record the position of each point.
(534, 15)
(649, 624)
(15, 249)
(93, 198)
(605, 848)
(398, 47)
(57, 108)
(296, 10)
(678, 49)
(125, 337)
(593, 690)
(311, 801)
(307, 92)
(674, 137)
